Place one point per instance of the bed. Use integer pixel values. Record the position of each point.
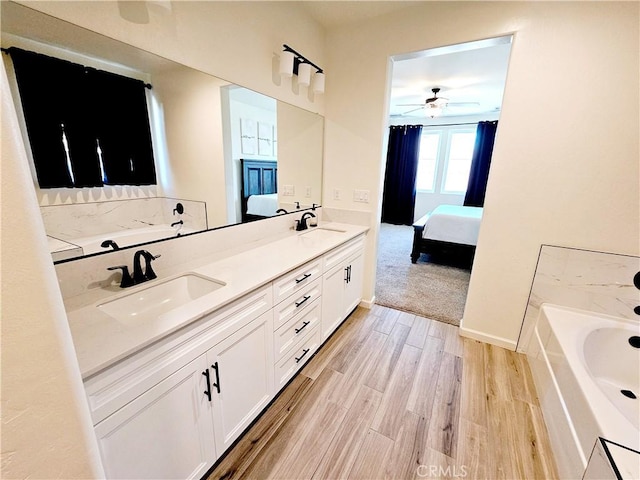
(449, 231)
(259, 189)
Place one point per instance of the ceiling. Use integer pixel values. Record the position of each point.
(473, 73)
(335, 14)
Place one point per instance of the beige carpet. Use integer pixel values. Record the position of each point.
(431, 290)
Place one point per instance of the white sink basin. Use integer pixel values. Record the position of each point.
(317, 235)
(151, 302)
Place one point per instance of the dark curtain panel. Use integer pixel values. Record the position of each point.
(400, 177)
(93, 110)
(122, 128)
(480, 163)
(51, 93)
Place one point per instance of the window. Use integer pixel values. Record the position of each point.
(445, 160)
(458, 164)
(86, 127)
(429, 146)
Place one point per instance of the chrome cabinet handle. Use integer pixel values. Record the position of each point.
(304, 325)
(304, 299)
(304, 352)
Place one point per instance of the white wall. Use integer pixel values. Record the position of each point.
(190, 103)
(300, 139)
(46, 429)
(564, 169)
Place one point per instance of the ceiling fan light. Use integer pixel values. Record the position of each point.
(434, 110)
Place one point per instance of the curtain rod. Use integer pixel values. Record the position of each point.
(8, 52)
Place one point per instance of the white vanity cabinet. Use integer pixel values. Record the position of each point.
(341, 284)
(173, 407)
(241, 379)
(170, 410)
(297, 319)
(167, 432)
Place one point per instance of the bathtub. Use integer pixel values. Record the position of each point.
(581, 361)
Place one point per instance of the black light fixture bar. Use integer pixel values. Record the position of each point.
(298, 59)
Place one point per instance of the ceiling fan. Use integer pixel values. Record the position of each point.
(435, 104)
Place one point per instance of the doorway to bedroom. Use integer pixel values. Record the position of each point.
(444, 110)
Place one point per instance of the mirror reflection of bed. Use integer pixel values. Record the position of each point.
(259, 189)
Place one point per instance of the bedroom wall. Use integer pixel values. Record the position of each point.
(563, 171)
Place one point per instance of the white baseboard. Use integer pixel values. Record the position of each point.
(483, 337)
(368, 304)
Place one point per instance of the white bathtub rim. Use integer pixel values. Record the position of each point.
(615, 426)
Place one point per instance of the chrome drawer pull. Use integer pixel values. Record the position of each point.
(304, 352)
(304, 277)
(304, 325)
(305, 298)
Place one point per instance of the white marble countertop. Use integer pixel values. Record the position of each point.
(626, 460)
(101, 341)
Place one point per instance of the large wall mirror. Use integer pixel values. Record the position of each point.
(223, 154)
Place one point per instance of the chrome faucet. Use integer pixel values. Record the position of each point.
(302, 223)
(149, 274)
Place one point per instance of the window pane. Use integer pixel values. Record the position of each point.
(429, 143)
(459, 162)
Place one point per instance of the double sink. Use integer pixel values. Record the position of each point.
(149, 303)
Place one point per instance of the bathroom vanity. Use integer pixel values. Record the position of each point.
(171, 388)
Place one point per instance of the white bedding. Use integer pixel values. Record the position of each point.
(454, 224)
(262, 205)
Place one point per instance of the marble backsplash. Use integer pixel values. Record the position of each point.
(70, 221)
(177, 254)
(594, 281)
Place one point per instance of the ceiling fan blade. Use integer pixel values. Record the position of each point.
(410, 105)
(462, 104)
(414, 110)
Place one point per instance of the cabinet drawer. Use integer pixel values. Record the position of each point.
(296, 303)
(337, 256)
(296, 280)
(296, 329)
(298, 356)
(116, 386)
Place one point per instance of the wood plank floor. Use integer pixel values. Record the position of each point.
(396, 396)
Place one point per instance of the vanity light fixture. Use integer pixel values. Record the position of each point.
(292, 63)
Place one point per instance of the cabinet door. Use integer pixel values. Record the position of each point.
(333, 300)
(167, 432)
(241, 369)
(353, 285)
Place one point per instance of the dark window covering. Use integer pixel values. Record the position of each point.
(399, 196)
(480, 164)
(93, 108)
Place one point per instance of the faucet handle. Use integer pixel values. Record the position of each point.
(126, 281)
(148, 271)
